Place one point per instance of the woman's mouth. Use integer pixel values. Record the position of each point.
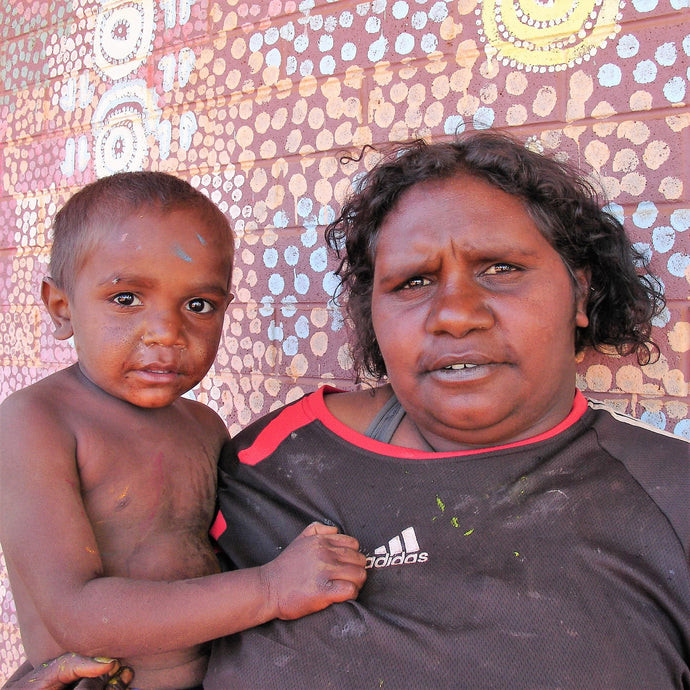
(465, 371)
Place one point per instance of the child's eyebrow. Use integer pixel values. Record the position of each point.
(211, 288)
(125, 279)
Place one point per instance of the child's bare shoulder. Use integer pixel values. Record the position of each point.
(204, 415)
(43, 405)
(47, 392)
(194, 422)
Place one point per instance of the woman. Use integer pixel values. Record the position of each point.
(516, 536)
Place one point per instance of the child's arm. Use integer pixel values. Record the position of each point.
(50, 545)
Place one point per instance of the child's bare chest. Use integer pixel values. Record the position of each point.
(149, 492)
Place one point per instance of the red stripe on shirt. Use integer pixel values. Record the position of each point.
(275, 432)
(313, 407)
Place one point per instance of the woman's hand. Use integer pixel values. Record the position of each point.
(72, 671)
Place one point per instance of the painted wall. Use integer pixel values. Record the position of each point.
(253, 101)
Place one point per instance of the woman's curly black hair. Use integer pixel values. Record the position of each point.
(564, 205)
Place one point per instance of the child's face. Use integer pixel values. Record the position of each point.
(475, 314)
(147, 305)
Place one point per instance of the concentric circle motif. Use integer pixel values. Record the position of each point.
(547, 35)
(122, 121)
(123, 38)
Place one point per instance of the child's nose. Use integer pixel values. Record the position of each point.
(163, 328)
(458, 308)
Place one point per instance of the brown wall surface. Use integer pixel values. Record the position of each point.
(254, 102)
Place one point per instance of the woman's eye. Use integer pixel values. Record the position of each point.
(127, 299)
(199, 306)
(497, 268)
(415, 282)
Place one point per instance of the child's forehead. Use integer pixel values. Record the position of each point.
(149, 228)
(152, 221)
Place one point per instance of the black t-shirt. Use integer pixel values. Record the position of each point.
(556, 562)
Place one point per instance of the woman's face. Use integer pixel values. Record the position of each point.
(475, 315)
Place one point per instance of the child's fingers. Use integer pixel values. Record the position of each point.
(334, 538)
(347, 556)
(356, 572)
(350, 567)
(343, 590)
(343, 546)
(316, 528)
(343, 541)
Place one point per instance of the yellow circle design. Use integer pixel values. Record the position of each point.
(541, 35)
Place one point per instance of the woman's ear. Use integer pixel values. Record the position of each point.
(57, 304)
(582, 293)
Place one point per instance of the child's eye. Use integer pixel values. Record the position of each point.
(127, 299)
(200, 306)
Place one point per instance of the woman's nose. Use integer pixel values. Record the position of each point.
(458, 308)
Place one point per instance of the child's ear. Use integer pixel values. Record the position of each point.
(582, 280)
(57, 304)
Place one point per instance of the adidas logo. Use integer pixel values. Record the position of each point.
(400, 550)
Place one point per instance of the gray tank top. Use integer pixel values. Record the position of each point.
(387, 420)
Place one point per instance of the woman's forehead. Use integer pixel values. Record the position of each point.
(452, 205)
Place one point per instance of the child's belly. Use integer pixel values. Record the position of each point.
(165, 556)
(183, 668)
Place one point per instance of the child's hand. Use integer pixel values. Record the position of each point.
(318, 568)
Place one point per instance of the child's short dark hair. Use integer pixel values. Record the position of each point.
(563, 204)
(112, 199)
